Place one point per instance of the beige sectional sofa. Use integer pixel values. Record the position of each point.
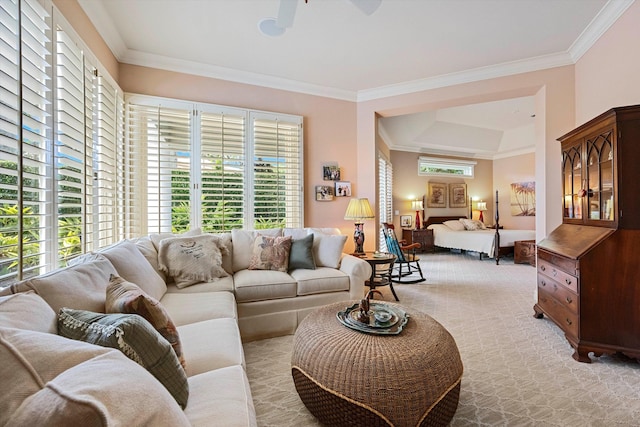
(56, 380)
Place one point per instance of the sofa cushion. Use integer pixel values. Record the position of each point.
(233, 408)
(52, 380)
(321, 280)
(211, 344)
(242, 241)
(270, 253)
(186, 308)
(81, 286)
(327, 249)
(301, 255)
(218, 285)
(258, 285)
(126, 297)
(133, 267)
(27, 310)
(149, 251)
(190, 260)
(135, 338)
(227, 256)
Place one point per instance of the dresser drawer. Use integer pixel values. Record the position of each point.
(561, 293)
(554, 273)
(559, 313)
(568, 265)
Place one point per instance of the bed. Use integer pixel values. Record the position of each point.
(492, 243)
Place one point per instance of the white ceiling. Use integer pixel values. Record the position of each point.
(335, 50)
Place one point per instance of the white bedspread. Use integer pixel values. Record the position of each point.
(478, 241)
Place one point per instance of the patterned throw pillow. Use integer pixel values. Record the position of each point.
(472, 224)
(127, 297)
(135, 338)
(191, 260)
(270, 253)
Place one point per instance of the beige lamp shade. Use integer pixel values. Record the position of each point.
(416, 205)
(482, 206)
(358, 210)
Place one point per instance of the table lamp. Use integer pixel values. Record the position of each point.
(482, 206)
(416, 205)
(359, 210)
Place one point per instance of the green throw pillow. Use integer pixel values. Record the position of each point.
(301, 255)
(135, 337)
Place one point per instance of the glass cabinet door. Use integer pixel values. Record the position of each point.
(600, 178)
(572, 183)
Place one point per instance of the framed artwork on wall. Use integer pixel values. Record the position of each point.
(324, 193)
(331, 172)
(343, 189)
(523, 199)
(436, 195)
(457, 195)
(405, 221)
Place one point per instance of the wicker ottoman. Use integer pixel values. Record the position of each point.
(350, 378)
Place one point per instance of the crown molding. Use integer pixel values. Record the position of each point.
(197, 68)
(598, 26)
(100, 19)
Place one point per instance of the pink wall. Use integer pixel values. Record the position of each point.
(608, 74)
(506, 172)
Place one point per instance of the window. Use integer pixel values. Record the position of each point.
(58, 133)
(214, 167)
(433, 166)
(385, 195)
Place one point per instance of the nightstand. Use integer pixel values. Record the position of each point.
(423, 236)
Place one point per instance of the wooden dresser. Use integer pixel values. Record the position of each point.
(589, 267)
(422, 236)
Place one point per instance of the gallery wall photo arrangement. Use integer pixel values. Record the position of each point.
(343, 189)
(331, 172)
(523, 199)
(324, 193)
(457, 195)
(436, 195)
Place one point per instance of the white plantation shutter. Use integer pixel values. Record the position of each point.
(222, 167)
(25, 128)
(202, 166)
(385, 195)
(277, 169)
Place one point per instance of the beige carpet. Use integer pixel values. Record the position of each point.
(518, 370)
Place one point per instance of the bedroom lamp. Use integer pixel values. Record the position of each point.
(359, 210)
(416, 205)
(481, 206)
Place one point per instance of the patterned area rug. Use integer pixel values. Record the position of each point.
(518, 370)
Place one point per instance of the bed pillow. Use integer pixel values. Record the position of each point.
(270, 253)
(127, 297)
(191, 260)
(455, 225)
(135, 338)
(301, 255)
(472, 224)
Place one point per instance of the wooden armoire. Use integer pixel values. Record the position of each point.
(589, 267)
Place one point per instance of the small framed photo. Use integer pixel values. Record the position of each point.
(405, 221)
(331, 172)
(324, 193)
(343, 189)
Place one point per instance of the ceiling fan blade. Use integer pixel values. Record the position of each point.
(286, 12)
(367, 6)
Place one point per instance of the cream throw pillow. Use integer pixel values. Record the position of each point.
(327, 249)
(27, 310)
(472, 224)
(191, 260)
(455, 225)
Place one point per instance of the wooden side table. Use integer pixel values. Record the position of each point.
(381, 268)
(524, 252)
(424, 236)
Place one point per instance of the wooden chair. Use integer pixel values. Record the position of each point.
(407, 263)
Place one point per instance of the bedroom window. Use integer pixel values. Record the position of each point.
(435, 166)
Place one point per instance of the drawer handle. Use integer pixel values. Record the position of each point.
(555, 273)
(569, 300)
(567, 281)
(543, 268)
(543, 283)
(569, 322)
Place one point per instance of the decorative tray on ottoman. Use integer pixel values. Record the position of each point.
(384, 319)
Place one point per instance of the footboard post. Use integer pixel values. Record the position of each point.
(496, 240)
